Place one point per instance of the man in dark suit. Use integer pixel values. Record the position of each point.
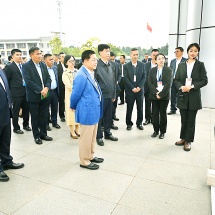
(54, 90)
(135, 77)
(38, 83)
(122, 81)
(148, 66)
(146, 58)
(17, 89)
(6, 160)
(174, 66)
(61, 69)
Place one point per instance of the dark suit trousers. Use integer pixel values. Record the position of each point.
(115, 104)
(20, 102)
(188, 121)
(130, 99)
(62, 102)
(159, 119)
(5, 138)
(122, 90)
(39, 116)
(54, 106)
(148, 104)
(107, 118)
(174, 94)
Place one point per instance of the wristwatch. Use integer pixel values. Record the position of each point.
(192, 86)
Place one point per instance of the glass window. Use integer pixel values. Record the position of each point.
(24, 53)
(8, 53)
(10, 46)
(2, 53)
(21, 45)
(1, 46)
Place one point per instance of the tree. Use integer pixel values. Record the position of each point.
(92, 44)
(56, 45)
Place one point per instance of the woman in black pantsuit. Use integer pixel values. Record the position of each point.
(190, 77)
(159, 82)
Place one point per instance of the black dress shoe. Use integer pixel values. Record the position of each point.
(56, 126)
(147, 122)
(62, 119)
(18, 131)
(3, 177)
(171, 112)
(97, 160)
(140, 127)
(27, 128)
(112, 138)
(91, 166)
(100, 142)
(50, 121)
(13, 166)
(115, 118)
(38, 141)
(129, 128)
(155, 134)
(47, 138)
(114, 127)
(48, 128)
(121, 103)
(161, 136)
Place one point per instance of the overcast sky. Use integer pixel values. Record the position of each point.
(120, 22)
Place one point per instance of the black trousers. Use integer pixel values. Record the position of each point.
(54, 106)
(174, 94)
(122, 90)
(115, 104)
(20, 102)
(5, 139)
(188, 121)
(159, 119)
(130, 99)
(148, 104)
(106, 120)
(62, 102)
(39, 116)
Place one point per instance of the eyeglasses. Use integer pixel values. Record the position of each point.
(71, 61)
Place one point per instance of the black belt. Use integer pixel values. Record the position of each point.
(53, 89)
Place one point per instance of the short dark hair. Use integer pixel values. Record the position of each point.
(134, 49)
(67, 57)
(146, 54)
(154, 50)
(112, 54)
(180, 48)
(9, 58)
(13, 51)
(101, 47)
(47, 55)
(159, 55)
(193, 44)
(23, 58)
(61, 53)
(123, 55)
(33, 49)
(56, 55)
(86, 55)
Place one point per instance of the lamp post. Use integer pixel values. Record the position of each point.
(59, 9)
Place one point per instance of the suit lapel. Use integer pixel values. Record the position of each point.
(35, 69)
(5, 82)
(16, 69)
(194, 68)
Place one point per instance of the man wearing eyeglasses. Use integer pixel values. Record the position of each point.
(174, 66)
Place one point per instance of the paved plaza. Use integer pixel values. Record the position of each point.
(140, 175)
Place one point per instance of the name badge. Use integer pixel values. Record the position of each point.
(188, 82)
(160, 86)
(135, 78)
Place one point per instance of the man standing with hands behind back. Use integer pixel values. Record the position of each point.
(38, 83)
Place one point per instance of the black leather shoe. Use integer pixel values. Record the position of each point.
(97, 160)
(100, 142)
(18, 131)
(161, 136)
(62, 119)
(47, 138)
(91, 166)
(155, 134)
(115, 118)
(27, 128)
(56, 126)
(171, 112)
(114, 127)
(129, 128)
(112, 138)
(140, 127)
(13, 166)
(3, 177)
(121, 103)
(48, 128)
(147, 122)
(50, 121)
(38, 141)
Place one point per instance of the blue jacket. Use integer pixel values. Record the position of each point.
(85, 99)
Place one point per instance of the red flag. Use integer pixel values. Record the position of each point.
(149, 27)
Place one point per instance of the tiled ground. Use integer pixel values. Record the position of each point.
(140, 175)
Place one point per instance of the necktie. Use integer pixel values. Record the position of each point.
(23, 82)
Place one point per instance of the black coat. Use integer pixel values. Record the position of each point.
(166, 81)
(191, 100)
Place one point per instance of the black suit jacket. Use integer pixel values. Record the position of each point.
(5, 101)
(129, 77)
(33, 82)
(166, 81)
(192, 100)
(147, 68)
(15, 80)
(60, 73)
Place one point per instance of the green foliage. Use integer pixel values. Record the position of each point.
(56, 45)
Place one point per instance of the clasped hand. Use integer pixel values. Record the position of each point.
(157, 95)
(185, 89)
(44, 91)
(136, 90)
